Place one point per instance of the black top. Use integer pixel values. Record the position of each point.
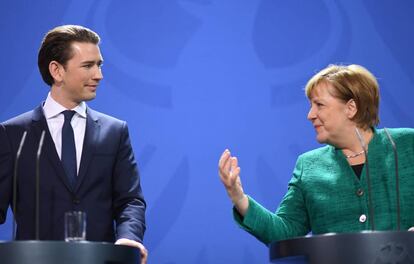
(358, 169)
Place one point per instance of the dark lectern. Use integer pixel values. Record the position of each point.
(60, 252)
(374, 247)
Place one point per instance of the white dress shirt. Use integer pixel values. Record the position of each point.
(55, 119)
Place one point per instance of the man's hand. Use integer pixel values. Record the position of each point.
(132, 243)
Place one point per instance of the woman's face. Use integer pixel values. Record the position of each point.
(330, 116)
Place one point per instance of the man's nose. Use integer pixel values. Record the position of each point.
(98, 74)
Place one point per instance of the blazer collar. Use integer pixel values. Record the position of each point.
(38, 113)
(89, 144)
(39, 124)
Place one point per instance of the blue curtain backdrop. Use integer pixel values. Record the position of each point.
(193, 77)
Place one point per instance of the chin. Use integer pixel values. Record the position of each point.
(321, 139)
(89, 97)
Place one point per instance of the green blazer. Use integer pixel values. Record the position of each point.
(325, 195)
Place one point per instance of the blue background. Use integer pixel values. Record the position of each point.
(193, 77)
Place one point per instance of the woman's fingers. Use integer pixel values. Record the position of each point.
(224, 164)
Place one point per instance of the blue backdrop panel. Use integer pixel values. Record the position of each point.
(193, 77)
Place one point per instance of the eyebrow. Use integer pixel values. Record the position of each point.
(99, 62)
(317, 100)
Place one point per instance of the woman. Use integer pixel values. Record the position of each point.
(329, 191)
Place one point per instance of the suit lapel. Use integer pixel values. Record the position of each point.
(38, 125)
(89, 143)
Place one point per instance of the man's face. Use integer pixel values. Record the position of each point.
(81, 75)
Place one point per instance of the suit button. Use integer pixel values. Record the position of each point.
(76, 201)
(360, 192)
(363, 218)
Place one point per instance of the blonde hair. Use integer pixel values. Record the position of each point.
(351, 82)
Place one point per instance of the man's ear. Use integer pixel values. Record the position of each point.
(56, 71)
(351, 108)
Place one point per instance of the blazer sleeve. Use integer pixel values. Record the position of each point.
(290, 220)
(128, 200)
(6, 172)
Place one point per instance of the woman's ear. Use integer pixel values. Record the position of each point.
(56, 71)
(351, 108)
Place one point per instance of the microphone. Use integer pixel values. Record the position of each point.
(397, 178)
(371, 207)
(16, 164)
(39, 152)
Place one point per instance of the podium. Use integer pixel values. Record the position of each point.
(376, 247)
(60, 252)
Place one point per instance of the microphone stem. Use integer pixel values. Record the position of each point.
(397, 181)
(371, 207)
(39, 152)
(16, 164)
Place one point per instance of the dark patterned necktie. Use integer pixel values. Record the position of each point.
(69, 148)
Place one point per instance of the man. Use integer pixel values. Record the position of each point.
(87, 163)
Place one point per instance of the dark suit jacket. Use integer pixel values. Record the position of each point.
(108, 187)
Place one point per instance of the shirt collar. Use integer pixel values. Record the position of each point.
(51, 108)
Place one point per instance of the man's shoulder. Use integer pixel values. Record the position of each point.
(19, 120)
(105, 118)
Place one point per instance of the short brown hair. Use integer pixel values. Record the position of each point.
(351, 82)
(56, 46)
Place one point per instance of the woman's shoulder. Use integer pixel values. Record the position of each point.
(397, 134)
(318, 153)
